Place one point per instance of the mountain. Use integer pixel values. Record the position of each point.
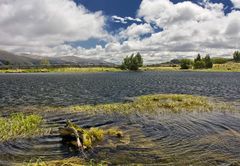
(7, 58)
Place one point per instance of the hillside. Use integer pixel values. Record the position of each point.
(7, 58)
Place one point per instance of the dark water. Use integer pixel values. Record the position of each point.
(211, 138)
(68, 89)
(163, 139)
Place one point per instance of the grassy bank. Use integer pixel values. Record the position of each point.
(64, 69)
(227, 67)
(20, 126)
(156, 103)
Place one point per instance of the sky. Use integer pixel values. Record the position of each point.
(160, 30)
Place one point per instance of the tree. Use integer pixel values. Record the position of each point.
(236, 56)
(208, 62)
(139, 59)
(198, 58)
(202, 63)
(186, 64)
(133, 62)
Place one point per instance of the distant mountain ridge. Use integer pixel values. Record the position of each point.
(7, 58)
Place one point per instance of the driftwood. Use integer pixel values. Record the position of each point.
(85, 138)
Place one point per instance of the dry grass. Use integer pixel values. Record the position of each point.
(63, 69)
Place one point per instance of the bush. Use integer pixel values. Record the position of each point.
(199, 64)
(236, 56)
(132, 62)
(186, 64)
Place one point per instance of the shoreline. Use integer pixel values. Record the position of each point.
(227, 67)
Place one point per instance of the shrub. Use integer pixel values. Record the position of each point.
(199, 64)
(186, 64)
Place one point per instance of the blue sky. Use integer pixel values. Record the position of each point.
(125, 8)
(160, 30)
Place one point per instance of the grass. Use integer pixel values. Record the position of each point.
(19, 126)
(226, 67)
(160, 103)
(165, 68)
(230, 66)
(64, 69)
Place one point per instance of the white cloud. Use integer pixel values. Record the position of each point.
(125, 20)
(187, 29)
(43, 23)
(236, 3)
(133, 19)
(135, 31)
(119, 19)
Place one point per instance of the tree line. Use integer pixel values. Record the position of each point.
(134, 62)
(206, 62)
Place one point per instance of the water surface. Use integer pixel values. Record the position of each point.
(211, 138)
(59, 89)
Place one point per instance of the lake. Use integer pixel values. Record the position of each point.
(62, 89)
(197, 138)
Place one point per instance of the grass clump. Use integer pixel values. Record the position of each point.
(87, 137)
(20, 125)
(153, 103)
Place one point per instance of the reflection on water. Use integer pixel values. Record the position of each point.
(187, 138)
(71, 89)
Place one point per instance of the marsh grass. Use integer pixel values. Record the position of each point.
(160, 103)
(63, 69)
(226, 67)
(19, 126)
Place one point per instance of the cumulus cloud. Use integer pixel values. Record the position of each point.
(236, 3)
(43, 23)
(125, 20)
(170, 30)
(136, 31)
(186, 29)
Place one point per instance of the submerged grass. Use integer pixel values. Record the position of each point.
(160, 103)
(74, 161)
(19, 126)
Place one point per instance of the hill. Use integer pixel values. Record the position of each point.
(24, 60)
